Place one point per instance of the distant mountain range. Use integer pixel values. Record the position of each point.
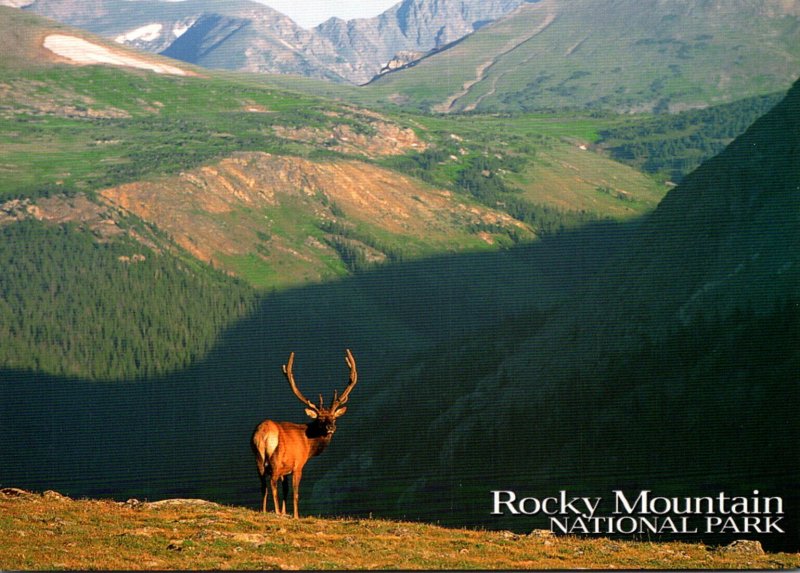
(498, 55)
(245, 35)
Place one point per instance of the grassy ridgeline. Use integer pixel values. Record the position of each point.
(51, 531)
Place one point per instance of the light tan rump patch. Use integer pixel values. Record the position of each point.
(272, 441)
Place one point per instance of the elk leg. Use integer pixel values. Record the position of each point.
(261, 466)
(296, 490)
(285, 493)
(273, 485)
(263, 477)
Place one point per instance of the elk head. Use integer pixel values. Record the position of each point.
(324, 417)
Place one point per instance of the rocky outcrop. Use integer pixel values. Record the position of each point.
(387, 139)
(102, 221)
(400, 60)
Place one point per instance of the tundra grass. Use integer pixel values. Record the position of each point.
(95, 126)
(50, 531)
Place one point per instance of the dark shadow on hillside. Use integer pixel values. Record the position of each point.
(431, 339)
(187, 433)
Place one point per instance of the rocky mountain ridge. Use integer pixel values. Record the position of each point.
(249, 36)
(411, 27)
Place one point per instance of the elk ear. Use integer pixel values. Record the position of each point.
(339, 412)
(311, 413)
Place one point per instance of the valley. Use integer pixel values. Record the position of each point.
(236, 184)
(584, 283)
(281, 188)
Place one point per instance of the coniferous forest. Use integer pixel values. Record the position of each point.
(106, 311)
(672, 146)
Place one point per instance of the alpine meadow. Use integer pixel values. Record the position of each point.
(559, 237)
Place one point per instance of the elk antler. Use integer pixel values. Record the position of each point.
(287, 370)
(351, 363)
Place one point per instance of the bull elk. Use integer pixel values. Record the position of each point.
(283, 448)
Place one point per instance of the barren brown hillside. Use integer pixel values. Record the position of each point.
(276, 211)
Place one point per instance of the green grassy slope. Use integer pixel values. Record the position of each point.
(536, 167)
(112, 126)
(628, 55)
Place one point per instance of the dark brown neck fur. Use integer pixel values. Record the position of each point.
(317, 437)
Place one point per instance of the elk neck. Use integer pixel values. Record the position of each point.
(318, 437)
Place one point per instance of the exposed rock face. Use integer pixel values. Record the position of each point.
(401, 59)
(99, 219)
(412, 26)
(746, 546)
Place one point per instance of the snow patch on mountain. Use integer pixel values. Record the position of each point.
(179, 29)
(83, 52)
(146, 33)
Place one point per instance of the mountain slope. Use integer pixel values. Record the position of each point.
(675, 145)
(672, 369)
(630, 55)
(282, 221)
(733, 225)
